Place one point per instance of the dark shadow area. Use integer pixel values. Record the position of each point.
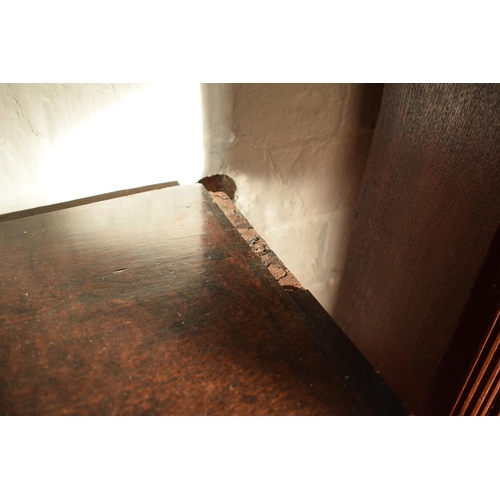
(370, 104)
(368, 114)
(426, 217)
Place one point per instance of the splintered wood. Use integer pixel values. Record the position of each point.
(257, 244)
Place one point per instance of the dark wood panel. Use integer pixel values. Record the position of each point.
(428, 209)
(154, 304)
(462, 369)
(343, 354)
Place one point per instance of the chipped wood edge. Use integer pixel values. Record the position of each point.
(257, 244)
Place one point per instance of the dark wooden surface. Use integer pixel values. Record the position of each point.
(461, 375)
(428, 209)
(154, 304)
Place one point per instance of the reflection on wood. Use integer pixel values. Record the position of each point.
(154, 304)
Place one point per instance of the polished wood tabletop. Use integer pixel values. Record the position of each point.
(153, 304)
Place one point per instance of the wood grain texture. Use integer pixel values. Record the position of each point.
(153, 304)
(428, 209)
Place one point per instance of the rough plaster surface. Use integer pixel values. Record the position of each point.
(297, 153)
(60, 142)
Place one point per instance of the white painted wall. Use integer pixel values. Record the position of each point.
(297, 154)
(296, 151)
(60, 142)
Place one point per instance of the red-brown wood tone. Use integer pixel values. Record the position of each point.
(428, 209)
(468, 375)
(481, 391)
(153, 304)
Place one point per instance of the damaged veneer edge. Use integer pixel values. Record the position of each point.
(256, 243)
(335, 345)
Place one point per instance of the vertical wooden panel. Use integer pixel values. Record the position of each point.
(428, 209)
(473, 353)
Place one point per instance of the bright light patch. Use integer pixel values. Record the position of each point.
(151, 136)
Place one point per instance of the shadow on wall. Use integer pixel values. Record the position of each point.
(297, 153)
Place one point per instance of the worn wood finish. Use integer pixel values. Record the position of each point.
(154, 304)
(256, 243)
(428, 209)
(338, 349)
